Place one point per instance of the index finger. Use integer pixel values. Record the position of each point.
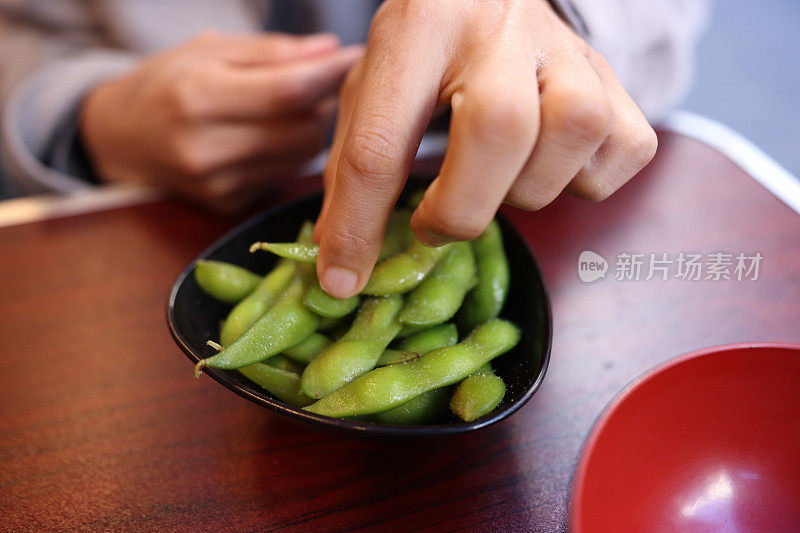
(395, 100)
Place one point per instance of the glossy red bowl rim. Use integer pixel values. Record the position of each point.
(587, 450)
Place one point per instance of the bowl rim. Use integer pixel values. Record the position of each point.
(356, 427)
(577, 485)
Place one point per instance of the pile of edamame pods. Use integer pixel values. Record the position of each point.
(391, 355)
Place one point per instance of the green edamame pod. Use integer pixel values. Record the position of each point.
(398, 234)
(390, 386)
(305, 253)
(333, 325)
(284, 363)
(428, 406)
(478, 395)
(307, 350)
(265, 295)
(487, 298)
(226, 282)
(395, 275)
(284, 385)
(393, 357)
(357, 351)
(438, 297)
(326, 305)
(407, 330)
(430, 339)
(246, 312)
(423, 409)
(285, 324)
(404, 271)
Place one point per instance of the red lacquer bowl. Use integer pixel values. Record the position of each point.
(709, 441)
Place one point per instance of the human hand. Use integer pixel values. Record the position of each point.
(220, 118)
(535, 110)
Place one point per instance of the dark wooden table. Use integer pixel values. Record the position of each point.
(103, 427)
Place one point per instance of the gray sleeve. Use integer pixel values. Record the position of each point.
(44, 105)
(52, 53)
(649, 43)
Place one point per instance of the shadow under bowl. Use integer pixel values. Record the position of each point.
(193, 318)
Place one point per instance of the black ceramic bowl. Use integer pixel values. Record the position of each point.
(194, 318)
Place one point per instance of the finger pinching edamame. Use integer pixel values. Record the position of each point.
(396, 274)
(272, 335)
(403, 272)
(326, 305)
(226, 282)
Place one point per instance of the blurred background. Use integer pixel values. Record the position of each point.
(747, 74)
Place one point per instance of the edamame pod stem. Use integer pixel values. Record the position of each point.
(282, 384)
(226, 282)
(478, 395)
(266, 294)
(357, 351)
(440, 295)
(309, 349)
(285, 324)
(246, 312)
(305, 253)
(388, 387)
(326, 305)
(398, 234)
(430, 339)
(423, 409)
(428, 406)
(403, 272)
(487, 298)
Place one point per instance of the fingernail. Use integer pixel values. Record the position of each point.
(430, 239)
(339, 282)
